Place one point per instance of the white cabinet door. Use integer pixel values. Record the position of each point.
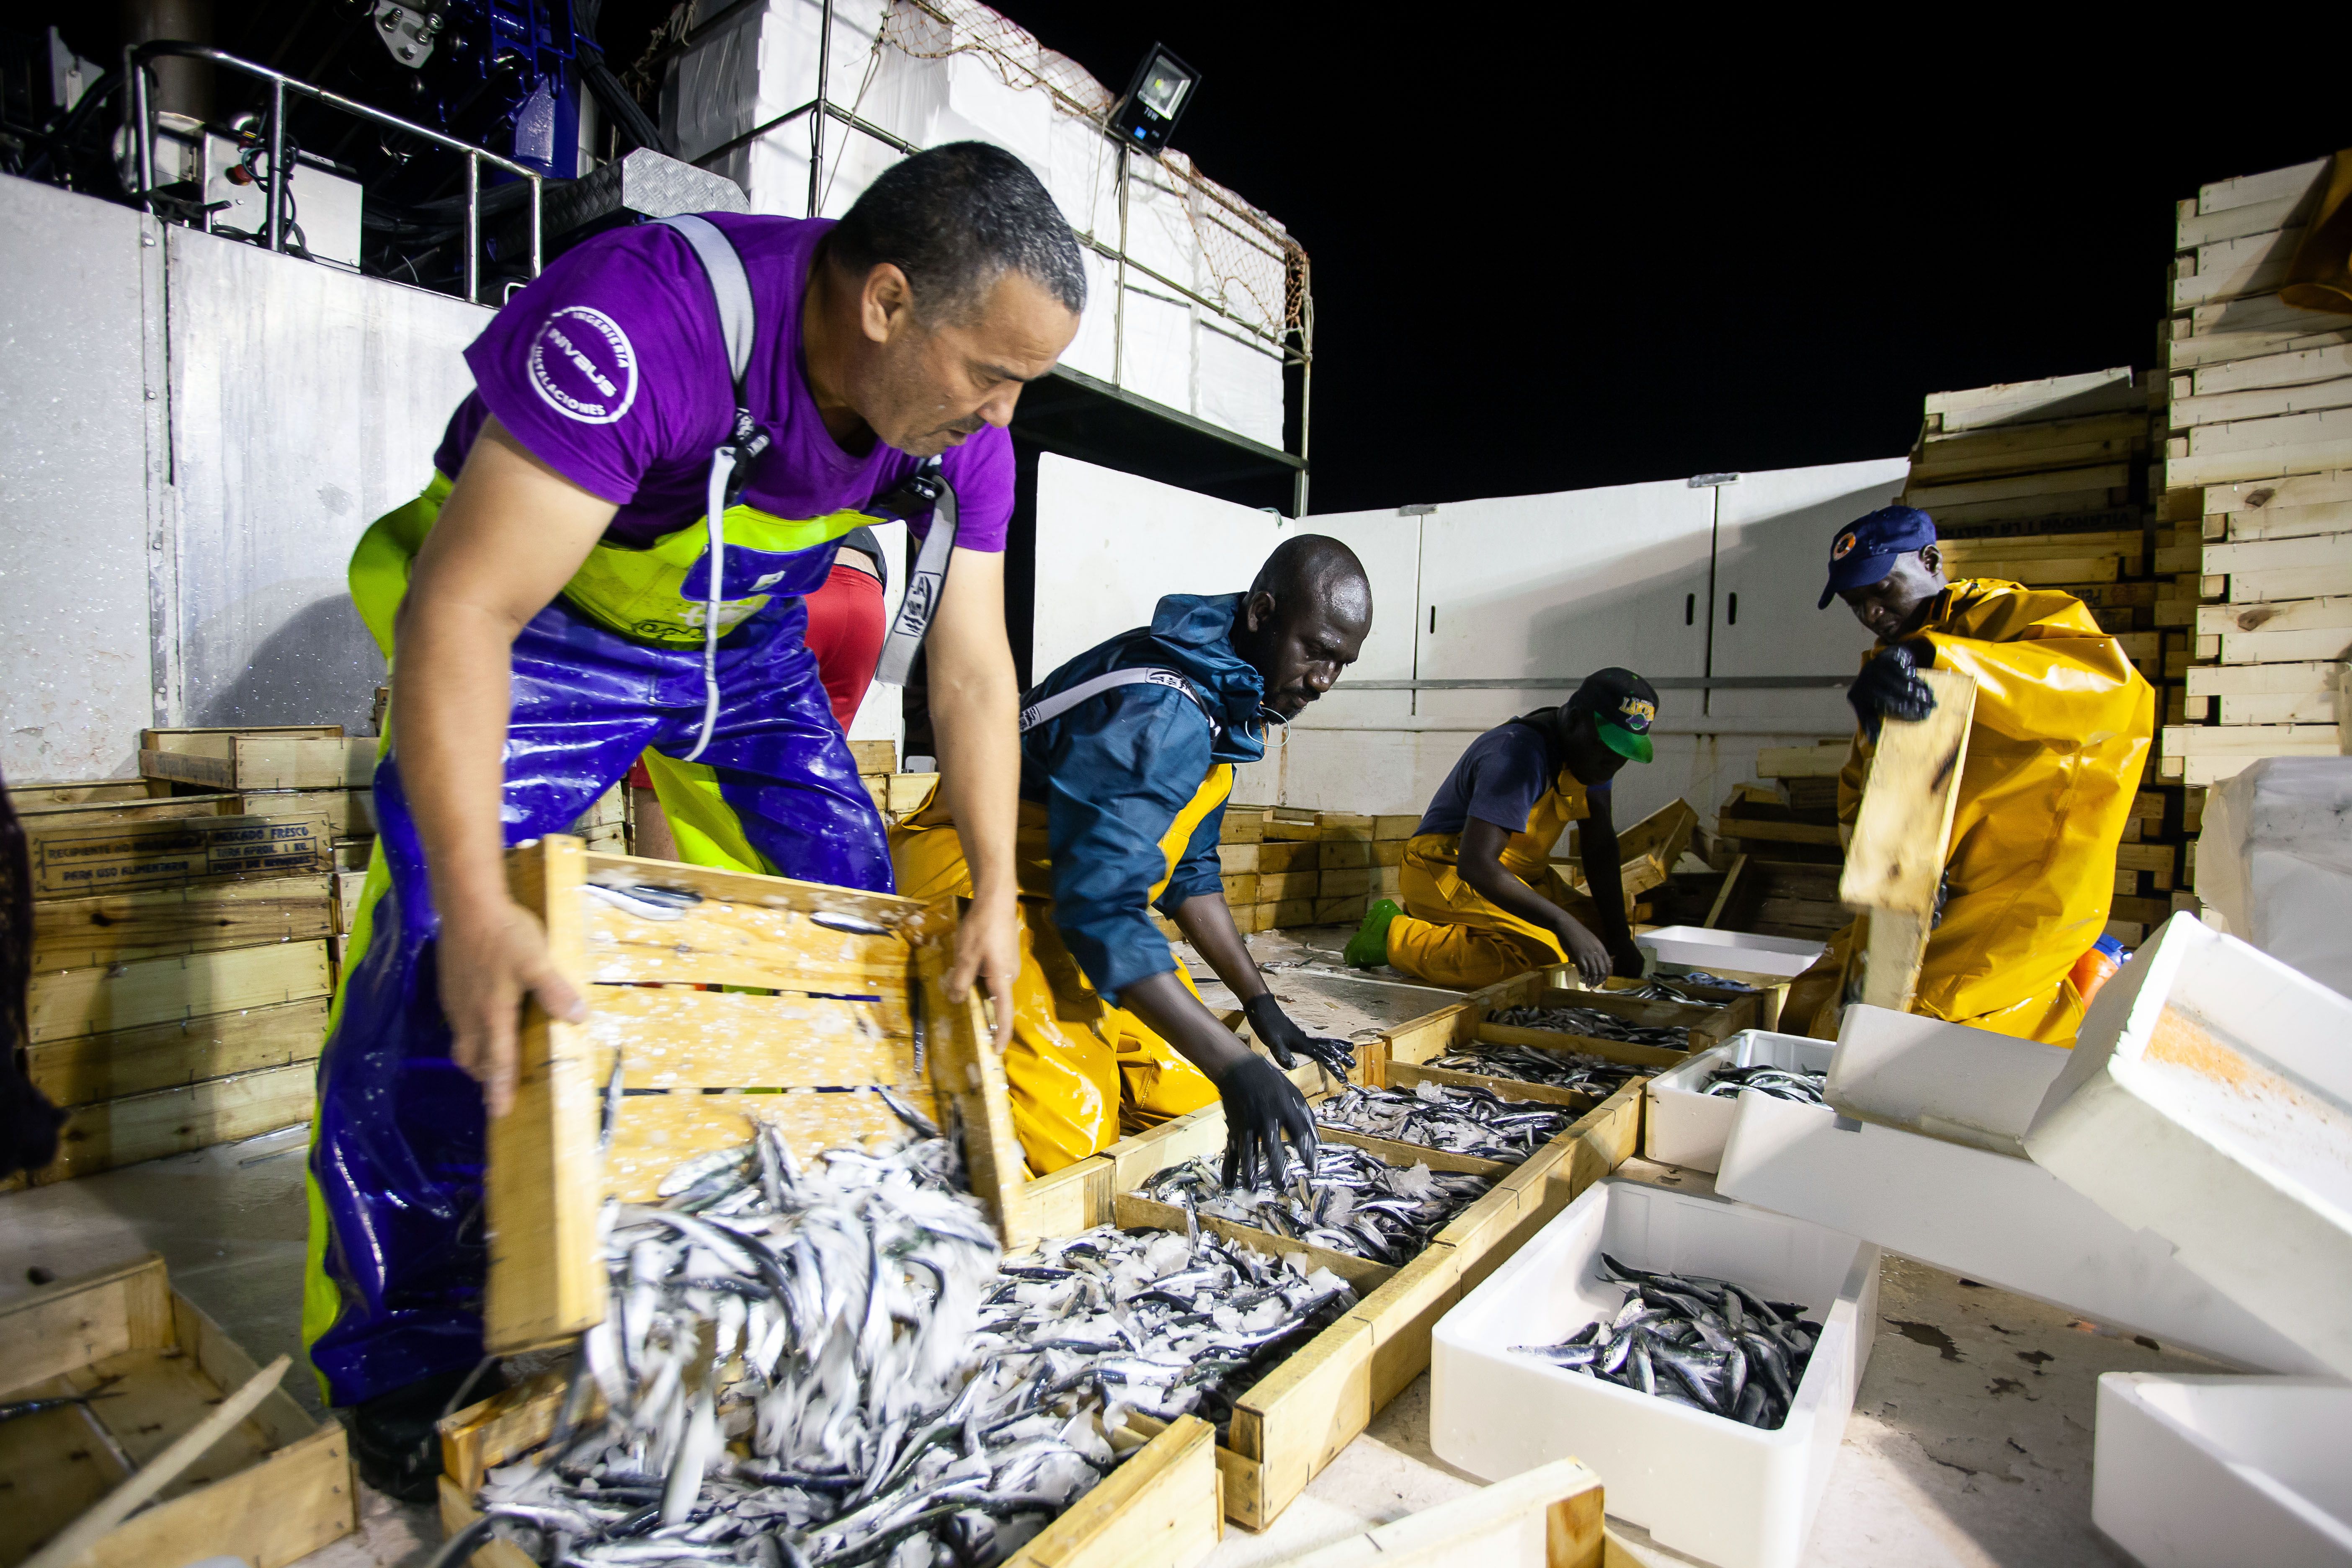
(1772, 555)
(1561, 585)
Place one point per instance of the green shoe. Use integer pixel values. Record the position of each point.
(1369, 948)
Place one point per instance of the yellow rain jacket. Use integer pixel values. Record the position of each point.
(2062, 728)
(1451, 934)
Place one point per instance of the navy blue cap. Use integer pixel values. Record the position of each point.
(1865, 549)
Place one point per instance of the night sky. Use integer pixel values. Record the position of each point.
(1544, 262)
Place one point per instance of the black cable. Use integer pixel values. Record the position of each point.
(76, 118)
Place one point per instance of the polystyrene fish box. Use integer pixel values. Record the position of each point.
(1704, 947)
(2188, 1472)
(2209, 1099)
(1701, 1484)
(1997, 1218)
(1685, 1126)
(1943, 1080)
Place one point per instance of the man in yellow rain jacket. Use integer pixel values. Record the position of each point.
(2062, 733)
(1482, 901)
(1126, 758)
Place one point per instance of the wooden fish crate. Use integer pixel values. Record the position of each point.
(1705, 1025)
(830, 994)
(276, 1488)
(1158, 1509)
(303, 757)
(1550, 1517)
(1295, 1419)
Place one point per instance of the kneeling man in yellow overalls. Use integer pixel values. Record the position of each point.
(1126, 758)
(1482, 901)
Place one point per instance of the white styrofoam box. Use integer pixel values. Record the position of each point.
(1703, 947)
(1240, 382)
(1156, 357)
(2275, 859)
(1091, 350)
(1986, 1216)
(1946, 1080)
(2187, 1472)
(1737, 1496)
(1684, 1126)
(1082, 175)
(2209, 1099)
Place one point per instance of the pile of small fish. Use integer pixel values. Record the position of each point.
(1595, 1075)
(1457, 1120)
(1713, 981)
(1593, 1021)
(835, 1366)
(1353, 1203)
(1708, 1344)
(1780, 1083)
(1151, 1320)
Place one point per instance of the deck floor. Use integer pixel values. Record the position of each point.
(1969, 1446)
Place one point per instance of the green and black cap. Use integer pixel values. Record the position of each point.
(1623, 706)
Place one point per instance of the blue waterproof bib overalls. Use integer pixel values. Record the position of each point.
(623, 663)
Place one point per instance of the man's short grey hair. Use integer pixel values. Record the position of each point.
(954, 219)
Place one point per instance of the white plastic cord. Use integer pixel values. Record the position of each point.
(722, 466)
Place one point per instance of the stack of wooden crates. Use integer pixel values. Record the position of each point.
(1777, 845)
(1285, 866)
(2255, 487)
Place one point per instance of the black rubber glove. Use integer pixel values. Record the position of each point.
(1279, 1035)
(1262, 1107)
(1889, 687)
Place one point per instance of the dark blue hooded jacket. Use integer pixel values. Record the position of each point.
(1114, 771)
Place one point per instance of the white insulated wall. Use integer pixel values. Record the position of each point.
(1640, 576)
(1152, 342)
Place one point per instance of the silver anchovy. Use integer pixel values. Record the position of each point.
(1355, 1203)
(1780, 1083)
(1595, 1023)
(1448, 1116)
(1595, 1075)
(1693, 1339)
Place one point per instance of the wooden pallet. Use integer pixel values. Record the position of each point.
(277, 1489)
(1158, 1509)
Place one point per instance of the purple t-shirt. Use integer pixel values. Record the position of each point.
(610, 368)
(1498, 779)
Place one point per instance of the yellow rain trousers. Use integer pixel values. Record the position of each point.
(1451, 934)
(2063, 729)
(1081, 1071)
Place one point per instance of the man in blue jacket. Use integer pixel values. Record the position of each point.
(1127, 757)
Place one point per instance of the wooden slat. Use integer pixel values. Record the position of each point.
(1552, 1515)
(1583, 1045)
(1158, 1509)
(676, 1039)
(138, 1127)
(117, 928)
(1402, 1153)
(727, 944)
(63, 1326)
(156, 1395)
(282, 1509)
(1404, 1075)
(1902, 834)
(82, 1069)
(1133, 1212)
(77, 859)
(542, 1187)
(658, 1131)
(156, 990)
(25, 798)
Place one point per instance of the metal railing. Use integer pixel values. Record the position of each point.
(143, 123)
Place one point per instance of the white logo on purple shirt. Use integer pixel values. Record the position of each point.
(582, 365)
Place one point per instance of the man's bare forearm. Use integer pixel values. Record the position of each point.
(1604, 879)
(452, 694)
(1207, 923)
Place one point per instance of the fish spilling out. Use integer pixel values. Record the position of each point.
(1780, 1083)
(1693, 1339)
(1353, 1203)
(1456, 1119)
(1593, 1021)
(1595, 1075)
(836, 1364)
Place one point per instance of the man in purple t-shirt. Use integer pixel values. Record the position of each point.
(577, 587)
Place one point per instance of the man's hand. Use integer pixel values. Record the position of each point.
(1586, 951)
(988, 948)
(1889, 687)
(1283, 1038)
(1262, 1108)
(488, 966)
(1626, 960)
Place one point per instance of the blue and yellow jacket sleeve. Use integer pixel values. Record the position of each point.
(1200, 870)
(1118, 772)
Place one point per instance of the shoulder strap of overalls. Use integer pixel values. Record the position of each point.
(1061, 702)
(731, 463)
